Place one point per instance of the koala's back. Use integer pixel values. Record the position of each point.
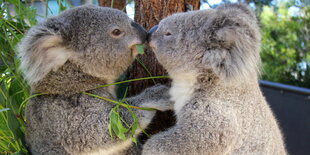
(260, 133)
(250, 120)
(70, 125)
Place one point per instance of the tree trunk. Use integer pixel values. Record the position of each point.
(194, 3)
(148, 13)
(117, 4)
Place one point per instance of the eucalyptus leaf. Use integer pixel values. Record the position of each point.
(140, 48)
(18, 153)
(14, 125)
(116, 124)
(110, 130)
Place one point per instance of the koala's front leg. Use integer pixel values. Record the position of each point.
(156, 97)
(213, 134)
(184, 142)
(166, 143)
(55, 151)
(44, 148)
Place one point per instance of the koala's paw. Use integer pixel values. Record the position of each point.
(156, 92)
(157, 97)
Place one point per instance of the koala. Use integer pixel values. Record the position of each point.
(213, 59)
(74, 52)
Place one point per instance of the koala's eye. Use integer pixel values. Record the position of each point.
(168, 34)
(116, 32)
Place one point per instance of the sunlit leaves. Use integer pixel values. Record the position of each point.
(285, 44)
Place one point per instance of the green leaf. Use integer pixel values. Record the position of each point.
(17, 153)
(135, 122)
(134, 125)
(121, 88)
(17, 92)
(116, 124)
(134, 139)
(140, 48)
(13, 123)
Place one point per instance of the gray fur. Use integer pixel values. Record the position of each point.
(213, 59)
(75, 52)
(80, 35)
(78, 124)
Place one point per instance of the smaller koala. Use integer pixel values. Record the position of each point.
(213, 59)
(75, 52)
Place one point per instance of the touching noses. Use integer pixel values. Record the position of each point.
(141, 31)
(151, 31)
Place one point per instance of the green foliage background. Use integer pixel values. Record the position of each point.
(285, 54)
(286, 43)
(13, 90)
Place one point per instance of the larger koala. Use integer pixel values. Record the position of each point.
(77, 51)
(213, 59)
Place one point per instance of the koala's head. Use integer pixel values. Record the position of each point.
(225, 40)
(99, 40)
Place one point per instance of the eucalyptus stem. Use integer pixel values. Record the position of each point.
(132, 80)
(119, 103)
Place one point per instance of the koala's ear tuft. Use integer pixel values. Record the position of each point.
(229, 20)
(232, 41)
(40, 52)
(237, 6)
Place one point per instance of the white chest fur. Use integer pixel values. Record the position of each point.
(182, 89)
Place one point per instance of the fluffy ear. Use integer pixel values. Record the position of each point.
(41, 51)
(232, 42)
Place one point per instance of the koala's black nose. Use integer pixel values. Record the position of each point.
(151, 31)
(141, 31)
